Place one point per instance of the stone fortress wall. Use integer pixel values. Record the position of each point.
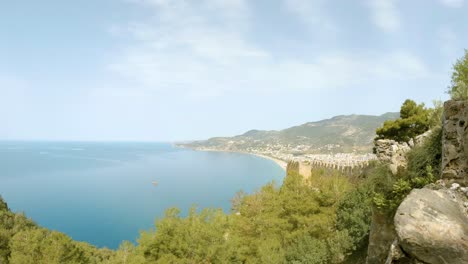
(348, 163)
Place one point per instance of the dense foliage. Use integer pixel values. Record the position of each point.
(414, 120)
(424, 162)
(321, 219)
(24, 242)
(314, 220)
(458, 89)
(324, 218)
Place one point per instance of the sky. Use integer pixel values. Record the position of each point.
(171, 70)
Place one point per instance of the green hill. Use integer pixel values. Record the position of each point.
(344, 133)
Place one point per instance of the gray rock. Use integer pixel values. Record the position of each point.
(382, 235)
(421, 138)
(455, 186)
(432, 226)
(464, 191)
(395, 253)
(392, 153)
(455, 142)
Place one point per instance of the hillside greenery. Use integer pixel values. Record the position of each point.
(458, 88)
(321, 219)
(414, 120)
(324, 218)
(346, 133)
(22, 241)
(424, 160)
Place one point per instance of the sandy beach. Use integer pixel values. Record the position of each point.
(283, 164)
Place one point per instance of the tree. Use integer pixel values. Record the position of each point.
(354, 215)
(436, 113)
(3, 205)
(458, 89)
(44, 247)
(414, 120)
(126, 254)
(307, 249)
(270, 250)
(197, 238)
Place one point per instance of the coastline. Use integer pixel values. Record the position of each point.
(281, 163)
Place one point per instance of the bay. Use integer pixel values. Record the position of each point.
(103, 192)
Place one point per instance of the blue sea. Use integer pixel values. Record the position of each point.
(103, 193)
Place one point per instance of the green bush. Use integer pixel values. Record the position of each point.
(307, 249)
(424, 163)
(354, 215)
(414, 120)
(458, 89)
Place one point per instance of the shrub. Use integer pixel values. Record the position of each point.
(424, 163)
(414, 120)
(458, 89)
(354, 215)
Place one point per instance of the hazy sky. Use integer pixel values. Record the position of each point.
(181, 70)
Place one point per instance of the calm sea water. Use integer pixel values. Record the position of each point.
(102, 193)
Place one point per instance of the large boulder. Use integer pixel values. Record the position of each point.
(432, 226)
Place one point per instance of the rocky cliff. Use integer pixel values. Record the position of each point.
(455, 142)
(394, 153)
(431, 224)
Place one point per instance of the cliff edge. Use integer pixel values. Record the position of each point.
(431, 224)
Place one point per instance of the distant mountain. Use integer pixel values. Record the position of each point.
(344, 133)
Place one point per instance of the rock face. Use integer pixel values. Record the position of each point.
(455, 142)
(382, 231)
(393, 153)
(432, 226)
(381, 236)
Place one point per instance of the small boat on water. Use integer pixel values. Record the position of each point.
(155, 183)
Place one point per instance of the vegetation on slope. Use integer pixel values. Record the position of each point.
(322, 219)
(458, 89)
(318, 220)
(424, 160)
(415, 119)
(22, 241)
(351, 133)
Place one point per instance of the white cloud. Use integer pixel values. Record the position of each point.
(453, 3)
(385, 15)
(15, 104)
(448, 41)
(184, 53)
(313, 13)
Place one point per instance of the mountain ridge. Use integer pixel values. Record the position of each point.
(338, 134)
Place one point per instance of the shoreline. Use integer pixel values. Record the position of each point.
(281, 163)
